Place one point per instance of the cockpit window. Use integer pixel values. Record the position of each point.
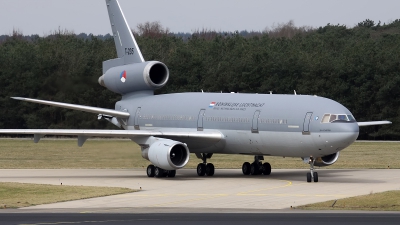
(325, 119)
(334, 118)
(351, 118)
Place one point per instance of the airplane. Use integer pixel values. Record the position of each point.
(169, 127)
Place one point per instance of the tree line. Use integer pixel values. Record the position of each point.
(356, 66)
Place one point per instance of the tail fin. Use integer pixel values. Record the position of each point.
(127, 48)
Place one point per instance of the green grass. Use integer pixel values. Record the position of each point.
(15, 195)
(111, 153)
(385, 201)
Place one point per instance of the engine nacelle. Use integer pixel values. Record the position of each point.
(326, 160)
(124, 79)
(167, 154)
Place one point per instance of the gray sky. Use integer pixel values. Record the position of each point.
(90, 16)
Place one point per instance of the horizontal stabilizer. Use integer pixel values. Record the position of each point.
(84, 108)
(373, 123)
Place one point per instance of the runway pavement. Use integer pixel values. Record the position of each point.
(199, 218)
(227, 191)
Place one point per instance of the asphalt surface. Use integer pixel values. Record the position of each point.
(227, 198)
(228, 189)
(197, 218)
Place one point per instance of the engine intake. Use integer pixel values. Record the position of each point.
(124, 79)
(327, 160)
(168, 154)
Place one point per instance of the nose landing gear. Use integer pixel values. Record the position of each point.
(312, 175)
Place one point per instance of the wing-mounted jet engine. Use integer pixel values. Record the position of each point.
(166, 155)
(326, 160)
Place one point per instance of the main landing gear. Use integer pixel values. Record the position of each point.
(153, 171)
(312, 175)
(257, 167)
(205, 168)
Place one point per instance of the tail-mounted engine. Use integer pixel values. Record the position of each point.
(124, 79)
(326, 160)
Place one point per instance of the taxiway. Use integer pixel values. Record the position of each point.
(228, 190)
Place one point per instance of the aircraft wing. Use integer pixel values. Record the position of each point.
(110, 112)
(83, 135)
(373, 123)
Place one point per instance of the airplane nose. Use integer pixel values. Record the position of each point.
(351, 127)
(350, 133)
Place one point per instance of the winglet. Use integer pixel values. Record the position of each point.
(127, 48)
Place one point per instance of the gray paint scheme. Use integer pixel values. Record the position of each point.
(227, 123)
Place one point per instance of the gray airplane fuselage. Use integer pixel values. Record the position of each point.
(255, 124)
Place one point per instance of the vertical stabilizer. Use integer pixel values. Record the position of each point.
(127, 48)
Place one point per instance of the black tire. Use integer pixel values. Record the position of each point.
(254, 170)
(210, 169)
(171, 173)
(150, 171)
(158, 172)
(246, 168)
(266, 169)
(201, 169)
(308, 177)
(315, 177)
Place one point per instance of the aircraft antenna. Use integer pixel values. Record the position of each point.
(295, 92)
(270, 92)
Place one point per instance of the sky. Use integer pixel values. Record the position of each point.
(90, 16)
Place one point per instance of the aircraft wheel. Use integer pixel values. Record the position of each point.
(158, 172)
(210, 169)
(266, 169)
(201, 169)
(150, 171)
(246, 168)
(315, 177)
(254, 170)
(171, 173)
(308, 177)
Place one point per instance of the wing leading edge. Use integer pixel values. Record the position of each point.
(373, 123)
(83, 135)
(91, 109)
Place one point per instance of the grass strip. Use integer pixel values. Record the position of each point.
(385, 201)
(109, 153)
(16, 195)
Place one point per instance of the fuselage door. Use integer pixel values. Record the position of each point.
(306, 124)
(137, 115)
(254, 124)
(200, 120)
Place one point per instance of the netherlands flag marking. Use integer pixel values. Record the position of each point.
(212, 104)
(123, 76)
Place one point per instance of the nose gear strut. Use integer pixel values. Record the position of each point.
(312, 175)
